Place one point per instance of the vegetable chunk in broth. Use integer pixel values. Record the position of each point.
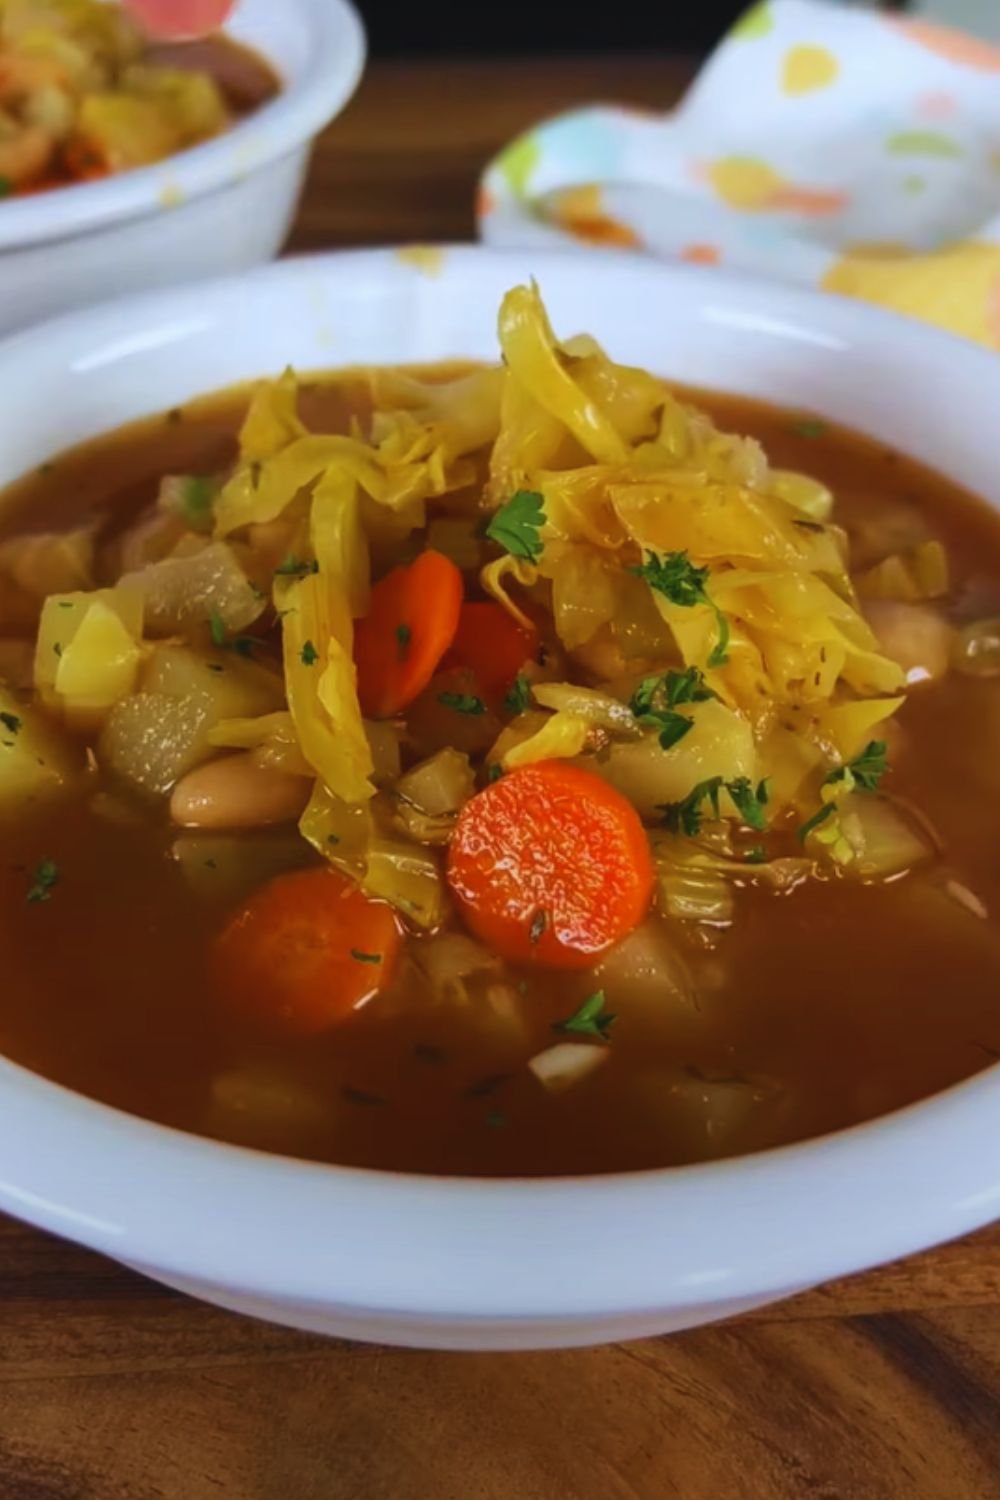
(498, 769)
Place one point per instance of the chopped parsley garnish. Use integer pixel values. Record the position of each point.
(687, 815)
(294, 567)
(865, 770)
(750, 802)
(198, 501)
(677, 578)
(862, 774)
(493, 773)
(590, 1020)
(10, 722)
(808, 427)
(404, 636)
(811, 824)
(463, 703)
(242, 644)
(516, 525)
(366, 958)
(756, 855)
(519, 695)
(539, 923)
(361, 1096)
(44, 879)
(654, 703)
(308, 656)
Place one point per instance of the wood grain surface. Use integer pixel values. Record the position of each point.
(884, 1387)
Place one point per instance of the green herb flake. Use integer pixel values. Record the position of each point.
(404, 636)
(677, 578)
(516, 525)
(866, 770)
(57, 648)
(590, 1020)
(11, 723)
(366, 958)
(67, 604)
(493, 773)
(539, 923)
(686, 816)
(217, 630)
(654, 703)
(518, 698)
(750, 801)
(333, 838)
(818, 818)
(808, 427)
(308, 656)
(198, 502)
(294, 567)
(756, 855)
(862, 774)
(44, 880)
(462, 703)
(361, 1096)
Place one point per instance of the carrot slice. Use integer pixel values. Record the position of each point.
(550, 866)
(306, 950)
(180, 18)
(411, 622)
(493, 645)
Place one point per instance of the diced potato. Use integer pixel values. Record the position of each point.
(88, 652)
(184, 594)
(702, 1114)
(98, 667)
(646, 979)
(49, 562)
(260, 1105)
(227, 867)
(567, 1063)
(884, 841)
(35, 761)
(915, 635)
(160, 733)
(720, 744)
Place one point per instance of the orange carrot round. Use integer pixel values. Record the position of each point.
(493, 645)
(550, 866)
(306, 950)
(411, 622)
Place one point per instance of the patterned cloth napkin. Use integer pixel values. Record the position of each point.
(847, 150)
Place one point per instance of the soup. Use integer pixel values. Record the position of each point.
(498, 770)
(84, 94)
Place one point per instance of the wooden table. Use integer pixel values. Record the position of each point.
(886, 1387)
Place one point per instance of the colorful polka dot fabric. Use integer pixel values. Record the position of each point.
(848, 150)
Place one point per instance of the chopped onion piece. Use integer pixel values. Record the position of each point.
(567, 1063)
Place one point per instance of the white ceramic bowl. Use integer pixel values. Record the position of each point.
(509, 1264)
(218, 208)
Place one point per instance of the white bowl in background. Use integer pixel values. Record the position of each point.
(473, 1264)
(218, 208)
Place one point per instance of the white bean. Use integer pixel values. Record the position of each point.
(235, 792)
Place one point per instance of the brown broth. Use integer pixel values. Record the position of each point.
(838, 1002)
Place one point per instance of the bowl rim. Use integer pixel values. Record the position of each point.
(475, 1250)
(337, 52)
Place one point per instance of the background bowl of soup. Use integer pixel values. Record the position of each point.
(540, 1254)
(216, 208)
